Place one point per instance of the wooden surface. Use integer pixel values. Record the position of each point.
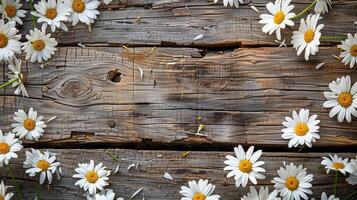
(235, 78)
(153, 165)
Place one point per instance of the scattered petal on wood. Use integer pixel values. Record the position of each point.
(50, 119)
(355, 23)
(130, 166)
(81, 45)
(137, 166)
(318, 66)
(159, 156)
(185, 154)
(136, 193)
(125, 47)
(141, 73)
(198, 37)
(168, 176)
(200, 128)
(282, 43)
(42, 65)
(116, 169)
(337, 57)
(255, 8)
(171, 63)
(90, 28)
(138, 19)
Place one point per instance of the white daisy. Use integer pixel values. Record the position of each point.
(52, 13)
(41, 163)
(301, 129)
(278, 18)
(352, 179)
(104, 195)
(308, 36)
(199, 191)
(245, 166)
(349, 47)
(85, 11)
(337, 164)
(293, 182)
(322, 6)
(91, 177)
(342, 99)
(40, 46)
(263, 194)
(3, 194)
(231, 3)
(30, 126)
(17, 77)
(9, 41)
(11, 10)
(324, 197)
(9, 145)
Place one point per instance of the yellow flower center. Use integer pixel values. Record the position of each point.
(198, 196)
(78, 6)
(279, 17)
(353, 50)
(38, 45)
(4, 148)
(345, 99)
(3, 40)
(29, 124)
(291, 183)
(338, 165)
(1, 197)
(309, 35)
(51, 13)
(92, 176)
(42, 164)
(10, 10)
(245, 166)
(301, 129)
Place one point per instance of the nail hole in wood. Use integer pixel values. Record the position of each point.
(114, 76)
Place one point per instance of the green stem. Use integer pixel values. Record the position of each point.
(339, 38)
(34, 24)
(305, 10)
(13, 180)
(8, 83)
(38, 191)
(335, 184)
(111, 155)
(350, 195)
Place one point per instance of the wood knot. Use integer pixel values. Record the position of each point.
(74, 88)
(114, 76)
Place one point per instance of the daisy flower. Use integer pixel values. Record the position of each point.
(85, 11)
(11, 10)
(30, 126)
(308, 36)
(9, 41)
(337, 164)
(92, 177)
(17, 77)
(3, 194)
(352, 179)
(9, 145)
(278, 18)
(245, 166)
(301, 129)
(322, 6)
(231, 3)
(104, 195)
(199, 191)
(263, 194)
(324, 197)
(349, 47)
(41, 163)
(40, 46)
(342, 99)
(52, 13)
(293, 182)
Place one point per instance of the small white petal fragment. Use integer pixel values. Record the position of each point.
(318, 66)
(141, 73)
(50, 119)
(168, 176)
(281, 43)
(116, 169)
(255, 8)
(171, 63)
(200, 128)
(338, 58)
(136, 193)
(81, 45)
(42, 66)
(131, 166)
(198, 37)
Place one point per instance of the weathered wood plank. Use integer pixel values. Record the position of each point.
(176, 23)
(153, 164)
(242, 96)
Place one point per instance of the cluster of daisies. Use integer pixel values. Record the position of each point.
(39, 45)
(292, 183)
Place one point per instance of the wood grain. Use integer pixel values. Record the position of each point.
(177, 22)
(242, 96)
(153, 164)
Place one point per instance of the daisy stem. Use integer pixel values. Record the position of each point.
(335, 184)
(38, 193)
(13, 180)
(339, 38)
(304, 11)
(32, 9)
(350, 195)
(8, 83)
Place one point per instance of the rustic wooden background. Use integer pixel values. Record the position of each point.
(235, 78)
